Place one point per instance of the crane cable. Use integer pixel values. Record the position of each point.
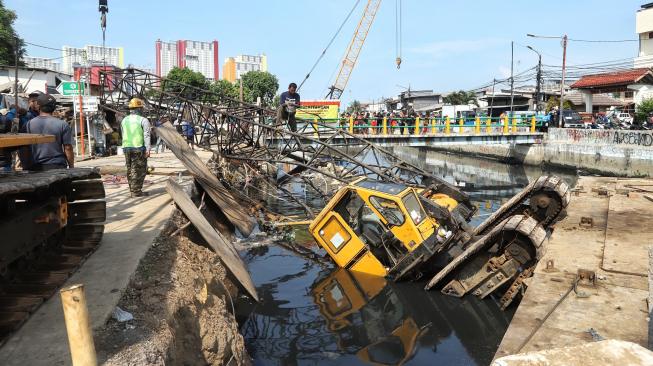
(398, 27)
(329, 44)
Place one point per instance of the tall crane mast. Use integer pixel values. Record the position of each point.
(355, 46)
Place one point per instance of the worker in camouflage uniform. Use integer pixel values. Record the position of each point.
(136, 146)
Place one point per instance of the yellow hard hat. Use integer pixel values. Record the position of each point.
(136, 103)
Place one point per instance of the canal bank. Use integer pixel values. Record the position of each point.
(592, 284)
(621, 153)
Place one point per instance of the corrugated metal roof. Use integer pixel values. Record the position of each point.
(612, 79)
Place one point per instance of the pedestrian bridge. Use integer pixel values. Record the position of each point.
(416, 133)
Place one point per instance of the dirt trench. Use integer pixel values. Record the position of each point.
(182, 305)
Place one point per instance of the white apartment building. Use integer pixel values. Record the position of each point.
(42, 63)
(644, 28)
(235, 67)
(91, 55)
(198, 56)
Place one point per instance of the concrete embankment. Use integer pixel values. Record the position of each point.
(607, 152)
(592, 282)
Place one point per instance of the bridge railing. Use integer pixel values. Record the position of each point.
(389, 126)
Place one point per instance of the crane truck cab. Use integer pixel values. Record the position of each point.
(381, 228)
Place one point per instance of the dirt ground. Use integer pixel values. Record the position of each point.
(182, 305)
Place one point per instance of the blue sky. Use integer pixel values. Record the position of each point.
(447, 45)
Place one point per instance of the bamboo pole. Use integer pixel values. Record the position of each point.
(80, 336)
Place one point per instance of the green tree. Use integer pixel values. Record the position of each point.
(259, 84)
(188, 77)
(354, 107)
(8, 38)
(555, 102)
(461, 97)
(225, 88)
(643, 110)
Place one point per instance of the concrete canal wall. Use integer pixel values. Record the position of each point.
(607, 152)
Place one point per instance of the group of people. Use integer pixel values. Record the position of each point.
(37, 119)
(397, 123)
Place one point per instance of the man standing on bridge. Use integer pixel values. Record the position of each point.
(288, 108)
(136, 146)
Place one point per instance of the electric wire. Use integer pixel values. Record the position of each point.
(329, 44)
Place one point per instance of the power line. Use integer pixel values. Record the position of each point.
(46, 47)
(329, 44)
(603, 41)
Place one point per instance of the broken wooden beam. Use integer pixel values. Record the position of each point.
(214, 238)
(230, 206)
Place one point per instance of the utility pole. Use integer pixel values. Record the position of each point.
(16, 72)
(538, 90)
(512, 79)
(562, 82)
(494, 81)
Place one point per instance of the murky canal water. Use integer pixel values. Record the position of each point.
(312, 314)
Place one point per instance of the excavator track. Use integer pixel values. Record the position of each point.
(516, 234)
(50, 223)
(553, 188)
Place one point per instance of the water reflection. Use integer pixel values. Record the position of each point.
(351, 318)
(309, 314)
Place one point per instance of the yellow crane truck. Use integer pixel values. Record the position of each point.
(403, 232)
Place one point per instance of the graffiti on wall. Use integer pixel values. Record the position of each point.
(602, 137)
(633, 138)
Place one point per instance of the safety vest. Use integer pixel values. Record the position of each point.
(132, 131)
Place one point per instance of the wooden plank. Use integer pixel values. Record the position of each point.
(24, 139)
(220, 245)
(231, 207)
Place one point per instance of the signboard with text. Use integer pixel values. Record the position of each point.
(321, 109)
(71, 88)
(89, 104)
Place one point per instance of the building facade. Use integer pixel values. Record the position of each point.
(644, 28)
(115, 56)
(42, 63)
(31, 79)
(198, 56)
(235, 67)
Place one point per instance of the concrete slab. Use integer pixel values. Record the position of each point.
(629, 225)
(610, 352)
(132, 224)
(553, 313)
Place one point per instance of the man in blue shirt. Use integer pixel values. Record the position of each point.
(54, 155)
(288, 108)
(32, 111)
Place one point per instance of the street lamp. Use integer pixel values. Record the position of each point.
(539, 77)
(564, 59)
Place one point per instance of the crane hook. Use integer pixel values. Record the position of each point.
(398, 61)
